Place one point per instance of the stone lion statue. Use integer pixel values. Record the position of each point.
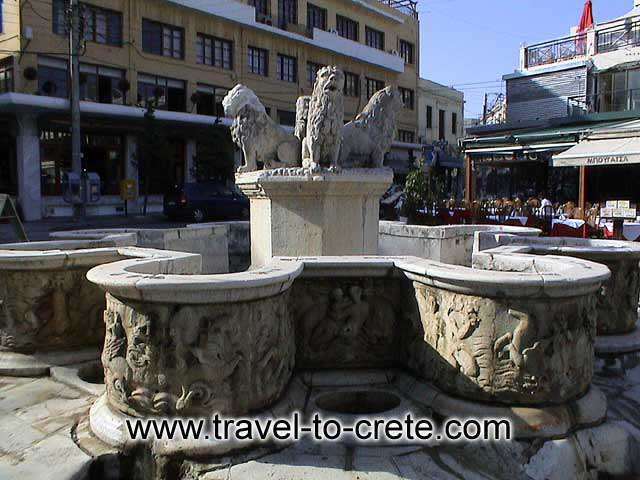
(367, 139)
(302, 117)
(258, 135)
(321, 147)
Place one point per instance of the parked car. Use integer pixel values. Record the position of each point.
(206, 200)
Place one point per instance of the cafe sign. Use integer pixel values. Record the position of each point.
(594, 153)
(607, 160)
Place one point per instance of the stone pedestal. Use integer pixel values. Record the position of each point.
(297, 212)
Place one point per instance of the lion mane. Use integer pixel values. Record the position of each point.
(259, 137)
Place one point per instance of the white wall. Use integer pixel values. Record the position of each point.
(439, 98)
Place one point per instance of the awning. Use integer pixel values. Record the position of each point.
(612, 151)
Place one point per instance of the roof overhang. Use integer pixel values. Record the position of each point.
(590, 153)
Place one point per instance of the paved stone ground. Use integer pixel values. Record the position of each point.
(44, 435)
(39, 231)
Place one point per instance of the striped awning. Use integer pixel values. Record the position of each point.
(610, 151)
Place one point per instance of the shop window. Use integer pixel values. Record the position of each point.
(101, 84)
(6, 75)
(210, 100)
(162, 39)
(163, 178)
(213, 51)
(166, 93)
(101, 153)
(8, 165)
(53, 78)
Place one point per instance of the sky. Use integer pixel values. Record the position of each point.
(465, 42)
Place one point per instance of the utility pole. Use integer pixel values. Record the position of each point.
(484, 110)
(74, 67)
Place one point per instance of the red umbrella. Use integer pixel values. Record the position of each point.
(586, 21)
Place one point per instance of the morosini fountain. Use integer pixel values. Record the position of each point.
(322, 323)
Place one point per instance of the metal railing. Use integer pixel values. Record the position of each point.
(408, 7)
(616, 101)
(555, 51)
(615, 38)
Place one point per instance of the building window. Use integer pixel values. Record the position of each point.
(373, 86)
(347, 28)
(262, 10)
(101, 84)
(374, 38)
(406, 136)
(617, 91)
(167, 93)
(6, 75)
(407, 51)
(214, 51)
(441, 125)
(287, 68)
(312, 72)
(316, 17)
(100, 24)
(287, 12)
(161, 39)
(429, 116)
(351, 84)
(286, 118)
(210, 100)
(258, 61)
(1, 19)
(53, 78)
(454, 123)
(407, 97)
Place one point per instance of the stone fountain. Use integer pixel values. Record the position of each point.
(322, 323)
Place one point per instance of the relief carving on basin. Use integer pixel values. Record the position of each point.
(347, 322)
(49, 310)
(514, 351)
(618, 299)
(193, 360)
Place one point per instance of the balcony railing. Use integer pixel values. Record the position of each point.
(615, 38)
(616, 101)
(408, 7)
(556, 51)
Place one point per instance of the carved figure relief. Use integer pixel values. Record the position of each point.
(532, 352)
(346, 323)
(163, 359)
(618, 300)
(49, 310)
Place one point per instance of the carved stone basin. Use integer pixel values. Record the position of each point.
(617, 301)
(520, 330)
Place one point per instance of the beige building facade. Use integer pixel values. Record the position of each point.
(185, 55)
